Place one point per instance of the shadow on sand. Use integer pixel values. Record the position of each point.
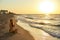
(6, 36)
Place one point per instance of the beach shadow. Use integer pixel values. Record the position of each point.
(6, 36)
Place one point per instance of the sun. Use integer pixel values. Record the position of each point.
(46, 7)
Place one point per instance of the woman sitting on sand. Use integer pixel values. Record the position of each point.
(12, 26)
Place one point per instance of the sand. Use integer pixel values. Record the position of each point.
(21, 34)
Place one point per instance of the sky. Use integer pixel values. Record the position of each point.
(25, 6)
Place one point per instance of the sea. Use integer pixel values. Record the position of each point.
(49, 23)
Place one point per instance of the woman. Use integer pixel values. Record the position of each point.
(12, 26)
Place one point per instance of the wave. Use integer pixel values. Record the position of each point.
(35, 22)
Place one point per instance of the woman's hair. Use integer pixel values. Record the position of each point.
(11, 22)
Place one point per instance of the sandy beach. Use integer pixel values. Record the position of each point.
(21, 34)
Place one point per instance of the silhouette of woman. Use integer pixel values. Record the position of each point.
(12, 27)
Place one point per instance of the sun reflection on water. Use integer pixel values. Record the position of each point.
(47, 17)
(46, 21)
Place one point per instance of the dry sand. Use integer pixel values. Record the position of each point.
(21, 34)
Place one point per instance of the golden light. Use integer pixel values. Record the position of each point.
(46, 7)
(46, 21)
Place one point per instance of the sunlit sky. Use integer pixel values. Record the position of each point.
(27, 6)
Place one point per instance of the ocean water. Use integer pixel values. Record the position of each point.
(46, 19)
(48, 23)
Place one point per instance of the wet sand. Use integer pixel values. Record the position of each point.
(38, 34)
